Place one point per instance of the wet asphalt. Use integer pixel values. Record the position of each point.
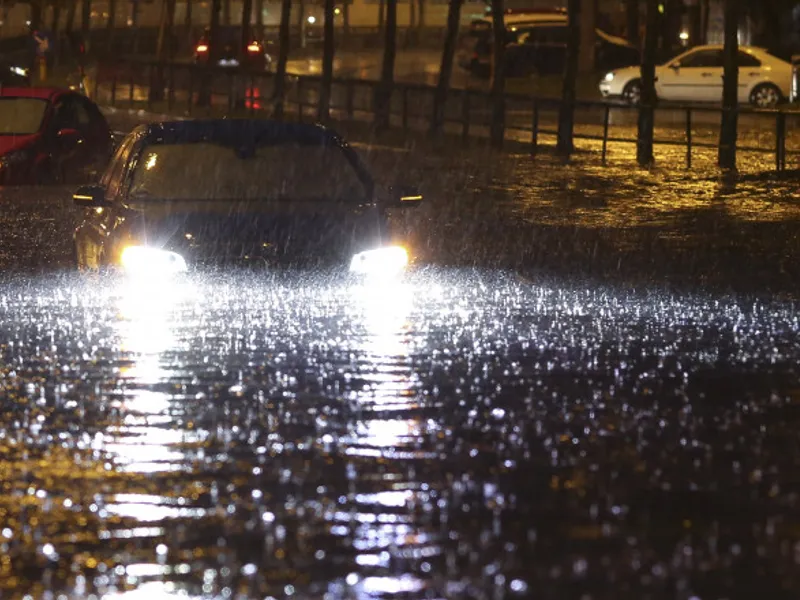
(586, 388)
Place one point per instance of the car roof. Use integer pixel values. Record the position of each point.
(519, 18)
(45, 93)
(722, 47)
(757, 51)
(238, 131)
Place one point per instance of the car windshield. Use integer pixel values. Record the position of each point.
(21, 116)
(208, 171)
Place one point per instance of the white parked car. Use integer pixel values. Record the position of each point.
(696, 76)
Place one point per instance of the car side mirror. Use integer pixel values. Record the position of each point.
(404, 195)
(69, 137)
(675, 66)
(90, 196)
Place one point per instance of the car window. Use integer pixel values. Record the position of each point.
(81, 114)
(68, 113)
(20, 116)
(114, 175)
(748, 60)
(702, 58)
(209, 171)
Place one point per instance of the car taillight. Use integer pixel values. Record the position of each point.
(254, 47)
(201, 48)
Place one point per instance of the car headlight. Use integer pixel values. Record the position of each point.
(609, 77)
(380, 261)
(143, 260)
(14, 158)
(19, 71)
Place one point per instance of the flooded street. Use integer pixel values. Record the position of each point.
(586, 388)
(456, 434)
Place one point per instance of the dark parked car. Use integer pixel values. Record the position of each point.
(50, 135)
(537, 43)
(255, 55)
(178, 195)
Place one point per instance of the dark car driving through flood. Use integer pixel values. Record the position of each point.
(179, 195)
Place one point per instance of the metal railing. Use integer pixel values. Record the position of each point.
(238, 91)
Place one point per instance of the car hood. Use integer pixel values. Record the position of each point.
(11, 143)
(631, 72)
(274, 232)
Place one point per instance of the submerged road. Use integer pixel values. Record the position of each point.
(532, 412)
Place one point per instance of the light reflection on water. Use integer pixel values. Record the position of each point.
(149, 440)
(442, 436)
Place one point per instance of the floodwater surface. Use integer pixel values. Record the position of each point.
(533, 411)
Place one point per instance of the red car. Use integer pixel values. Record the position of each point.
(50, 135)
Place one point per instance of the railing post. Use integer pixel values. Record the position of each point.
(688, 138)
(231, 92)
(114, 88)
(190, 92)
(171, 87)
(780, 141)
(299, 98)
(349, 93)
(130, 80)
(535, 129)
(151, 80)
(605, 132)
(465, 111)
(82, 75)
(405, 108)
(252, 90)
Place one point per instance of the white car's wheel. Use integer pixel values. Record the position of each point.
(632, 92)
(765, 95)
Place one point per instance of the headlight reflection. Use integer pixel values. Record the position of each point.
(149, 320)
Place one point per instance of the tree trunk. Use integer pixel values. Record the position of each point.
(56, 18)
(246, 33)
(644, 140)
(706, 19)
(421, 14)
(672, 27)
(446, 68)
(204, 92)
(381, 14)
(383, 93)
(111, 23)
(301, 22)
(346, 19)
(730, 82)
(324, 112)
(632, 21)
(260, 17)
(169, 37)
(586, 60)
(226, 12)
(284, 34)
(411, 31)
(54, 31)
(157, 80)
(187, 20)
(86, 14)
(497, 125)
(72, 9)
(566, 112)
(695, 15)
(213, 31)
